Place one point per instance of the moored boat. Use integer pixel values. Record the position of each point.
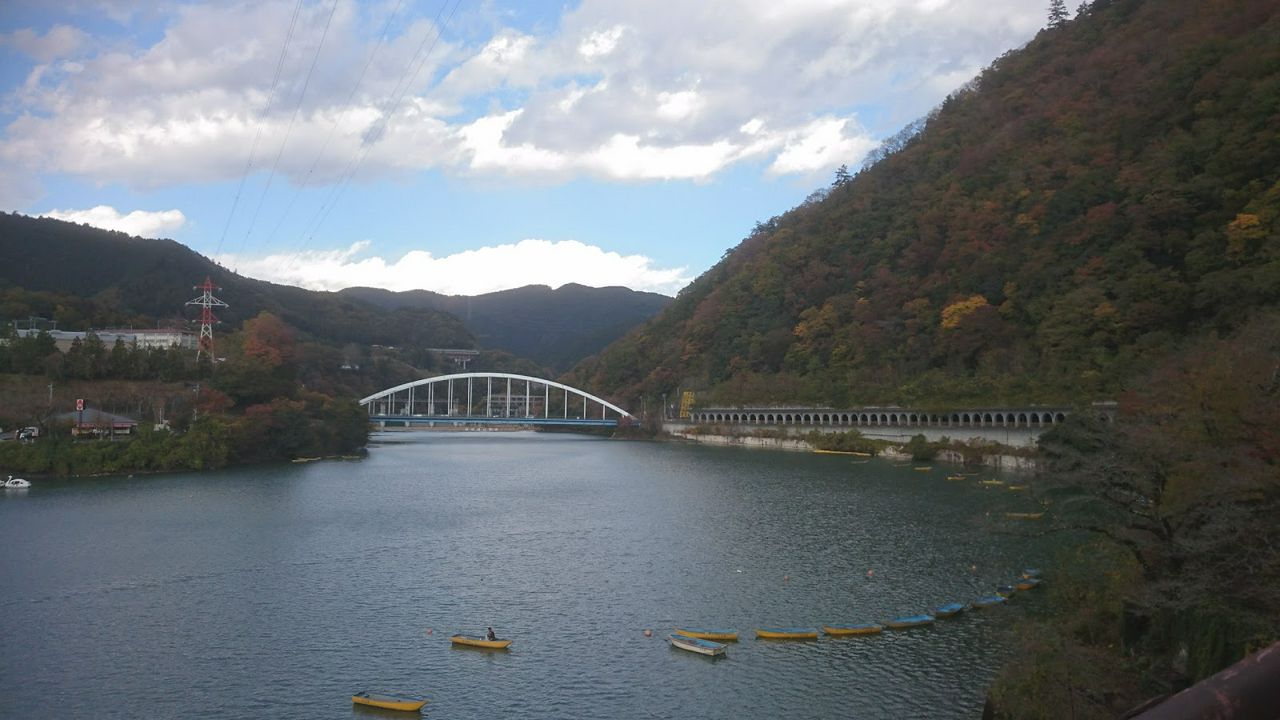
(989, 601)
(846, 630)
(955, 477)
(14, 483)
(949, 610)
(480, 641)
(717, 634)
(991, 482)
(843, 452)
(410, 703)
(1024, 515)
(1005, 591)
(697, 645)
(1027, 583)
(923, 468)
(909, 621)
(787, 633)
(1031, 573)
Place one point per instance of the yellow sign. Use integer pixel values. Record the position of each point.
(686, 404)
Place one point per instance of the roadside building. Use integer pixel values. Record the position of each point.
(98, 423)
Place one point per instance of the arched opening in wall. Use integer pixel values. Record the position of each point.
(1035, 419)
(863, 419)
(1022, 420)
(965, 418)
(1060, 417)
(884, 419)
(986, 419)
(955, 418)
(1000, 419)
(893, 419)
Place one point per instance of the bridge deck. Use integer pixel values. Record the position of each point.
(484, 420)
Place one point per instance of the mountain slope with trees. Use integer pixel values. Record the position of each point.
(1056, 228)
(555, 328)
(136, 281)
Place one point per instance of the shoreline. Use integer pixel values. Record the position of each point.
(1003, 461)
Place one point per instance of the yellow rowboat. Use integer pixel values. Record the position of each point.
(717, 634)
(1018, 487)
(480, 642)
(955, 477)
(923, 468)
(991, 482)
(843, 452)
(793, 633)
(1027, 583)
(1024, 515)
(847, 630)
(389, 702)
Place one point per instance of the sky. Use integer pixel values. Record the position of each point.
(465, 146)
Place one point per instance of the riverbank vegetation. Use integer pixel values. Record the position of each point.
(264, 400)
(1180, 498)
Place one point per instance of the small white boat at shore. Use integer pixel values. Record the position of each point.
(698, 645)
(14, 483)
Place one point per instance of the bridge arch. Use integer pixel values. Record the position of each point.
(423, 399)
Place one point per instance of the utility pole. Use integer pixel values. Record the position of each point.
(206, 301)
(196, 412)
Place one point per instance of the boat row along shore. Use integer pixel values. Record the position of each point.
(713, 642)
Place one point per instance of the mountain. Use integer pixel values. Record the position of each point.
(139, 281)
(1085, 206)
(555, 328)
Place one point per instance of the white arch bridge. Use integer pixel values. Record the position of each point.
(491, 398)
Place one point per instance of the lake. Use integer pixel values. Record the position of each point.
(278, 591)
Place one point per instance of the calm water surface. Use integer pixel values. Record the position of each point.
(278, 591)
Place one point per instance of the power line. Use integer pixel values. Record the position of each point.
(289, 131)
(333, 128)
(253, 149)
(353, 166)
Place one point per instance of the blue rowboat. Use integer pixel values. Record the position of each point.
(1031, 573)
(950, 610)
(989, 601)
(909, 621)
(697, 645)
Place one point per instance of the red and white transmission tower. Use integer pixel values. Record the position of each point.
(207, 303)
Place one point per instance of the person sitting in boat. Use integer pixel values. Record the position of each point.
(491, 636)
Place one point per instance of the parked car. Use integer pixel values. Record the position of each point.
(26, 433)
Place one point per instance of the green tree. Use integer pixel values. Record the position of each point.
(1058, 15)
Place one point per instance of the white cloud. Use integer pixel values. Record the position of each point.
(60, 41)
(607, 89)
(819, 145)
(487, 269)
(143, 223)
(599, 44)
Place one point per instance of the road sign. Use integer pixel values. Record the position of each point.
(80, 404)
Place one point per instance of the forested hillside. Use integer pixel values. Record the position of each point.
(1058, 226)
(85, 277)
(555, 328)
